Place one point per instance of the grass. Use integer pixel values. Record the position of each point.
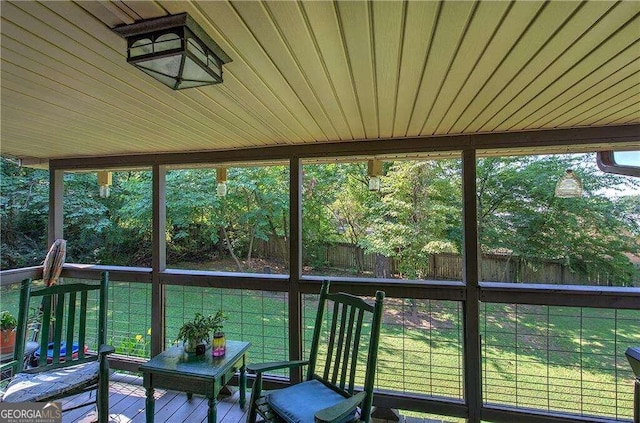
(544, 357)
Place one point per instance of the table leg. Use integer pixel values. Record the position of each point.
(243, 385)
(212, 414)
(150, 405)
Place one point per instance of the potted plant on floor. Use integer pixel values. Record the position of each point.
(8, 325)
(196, 334)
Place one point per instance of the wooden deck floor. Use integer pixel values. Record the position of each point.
(126, 404)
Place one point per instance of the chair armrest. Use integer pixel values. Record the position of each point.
(105, 350)
(274, 365)
(341, 410)
(8, 365)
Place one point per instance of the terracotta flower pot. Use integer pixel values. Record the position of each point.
(7, 341)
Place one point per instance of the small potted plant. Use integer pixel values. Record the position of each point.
(196, 333)
(8, 325)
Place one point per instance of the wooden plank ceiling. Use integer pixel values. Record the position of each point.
(316, 71)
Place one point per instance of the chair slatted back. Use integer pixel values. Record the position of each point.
(345, 336)
(64, 308)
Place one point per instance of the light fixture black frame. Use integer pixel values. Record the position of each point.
(183, 25)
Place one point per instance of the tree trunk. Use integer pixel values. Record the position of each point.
(230, 248)
(382, 266)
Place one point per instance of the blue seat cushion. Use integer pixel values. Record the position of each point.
(299, 403)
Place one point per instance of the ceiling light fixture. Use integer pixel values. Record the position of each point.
(105, 180)
(221, 177)
(374, 170)
(568, 186)
(175, 50)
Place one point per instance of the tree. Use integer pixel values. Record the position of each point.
(418, 214)
(519, 215)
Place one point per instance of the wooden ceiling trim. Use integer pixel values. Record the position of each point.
(388, 26)
(281, 27)
(475, 93)
(615, 106)
(227, 118)
(66, 103)
(420, 23)
(72, 95)
(256, 56)
(446, 40)
(245, 68)
(81, 62)
(630, 118)
(587, 83)
(298, 35)
(250, 91)
(144, 9)
(482, 29)
(533, 40)
(122, 13)
(93, 129)
(98, 10)
(329, 51)
(81, 84)
(570, 99)
(536, 140)
(355, 24)
(549, 63)
(599, 100)
(572, 65)
(51, 143)
(429, 124)
(224, 121)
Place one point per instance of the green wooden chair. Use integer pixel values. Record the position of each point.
(334, 369)
(62, 371)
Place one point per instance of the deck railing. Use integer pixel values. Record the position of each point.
(547, 351)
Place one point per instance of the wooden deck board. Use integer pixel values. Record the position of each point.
(127, 405)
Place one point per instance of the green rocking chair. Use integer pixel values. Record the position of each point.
(64, 366)
(335, 366)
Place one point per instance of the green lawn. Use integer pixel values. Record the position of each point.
(551, 358)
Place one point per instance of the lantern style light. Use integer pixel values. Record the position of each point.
(568, 186)
(221, 177)
(104, 182)
(374, 170)
(175, 50)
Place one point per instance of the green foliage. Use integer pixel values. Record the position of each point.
(24, 208)
(518, 214)
(418, 212)
(200, 328)
(7, 321)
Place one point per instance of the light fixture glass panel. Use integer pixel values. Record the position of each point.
(568, 186)
(168, 41)
(141, 47)
(215, 66)
(191, 84)
(221, 189)
(374, 183)
(193, 72)
(169, 66)
(197, 50)
(168, 81)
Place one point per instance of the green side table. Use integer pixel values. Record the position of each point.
(203, 374)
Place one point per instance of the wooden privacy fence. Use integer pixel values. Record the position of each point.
(493, 267)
